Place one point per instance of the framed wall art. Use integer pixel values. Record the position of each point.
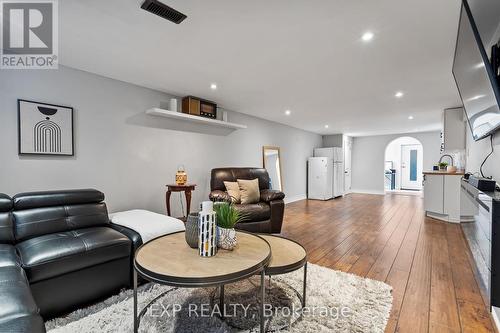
(45, 129)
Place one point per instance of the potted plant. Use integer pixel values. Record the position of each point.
(227, 217)
(443, 165)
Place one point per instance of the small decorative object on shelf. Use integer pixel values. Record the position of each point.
(207, 230)
(181, 176)
(192, 230)
(227, 217)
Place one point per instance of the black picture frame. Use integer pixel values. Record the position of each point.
(19, 134)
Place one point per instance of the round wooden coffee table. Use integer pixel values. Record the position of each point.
(170, 261)
(286, 256)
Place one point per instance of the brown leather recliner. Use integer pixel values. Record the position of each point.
(266, 216)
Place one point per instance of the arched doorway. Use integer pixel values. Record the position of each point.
(403, 165)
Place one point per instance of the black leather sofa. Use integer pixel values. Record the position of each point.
(265, 216)
(18, 310)
(58, 251)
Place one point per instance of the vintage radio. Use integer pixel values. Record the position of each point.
(199, 107)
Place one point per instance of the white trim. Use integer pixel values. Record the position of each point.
(368, 192)
(295, 198)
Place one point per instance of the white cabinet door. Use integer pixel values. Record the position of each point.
(433, 193)
(451, 205)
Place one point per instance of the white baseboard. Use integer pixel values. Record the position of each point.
(295, 198)
(368, 192)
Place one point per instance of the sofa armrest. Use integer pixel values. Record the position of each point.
(219, 196)
(131, 234)
(271, 195)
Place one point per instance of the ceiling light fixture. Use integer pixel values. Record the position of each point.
(367, 36)
(326, 126)
(410, 117)
(213, 86)
(399, 94)
(288, 112)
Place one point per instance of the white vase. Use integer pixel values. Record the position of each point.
(226, 238)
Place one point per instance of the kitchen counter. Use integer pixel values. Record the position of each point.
(447, 173)
(442, 196)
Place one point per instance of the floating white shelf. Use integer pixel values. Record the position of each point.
(195, 119)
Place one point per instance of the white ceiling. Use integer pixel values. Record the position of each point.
(269, 56)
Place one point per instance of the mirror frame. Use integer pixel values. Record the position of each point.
(264, 148)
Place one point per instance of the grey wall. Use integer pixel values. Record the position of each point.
(368, 154)
(127, 154)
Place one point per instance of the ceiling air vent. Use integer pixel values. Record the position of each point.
(162, 10)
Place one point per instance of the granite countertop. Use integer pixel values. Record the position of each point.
(435, 172)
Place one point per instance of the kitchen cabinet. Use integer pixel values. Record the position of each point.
(433, 193)
(453, 130)
(442, 196)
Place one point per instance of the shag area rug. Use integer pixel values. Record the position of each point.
(336, 302)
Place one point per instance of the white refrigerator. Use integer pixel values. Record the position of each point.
(326, 173)
(320, 179)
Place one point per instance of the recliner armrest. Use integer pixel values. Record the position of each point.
(219, 196)
(271, 195)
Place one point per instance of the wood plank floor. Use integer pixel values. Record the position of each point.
(388, 238)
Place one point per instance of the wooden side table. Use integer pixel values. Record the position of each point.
(187, 189)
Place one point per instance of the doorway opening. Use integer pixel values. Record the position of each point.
(403, 166)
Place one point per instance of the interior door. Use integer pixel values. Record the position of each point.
(347, 164)
(411, 167)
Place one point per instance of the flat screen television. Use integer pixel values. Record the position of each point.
(475, 78)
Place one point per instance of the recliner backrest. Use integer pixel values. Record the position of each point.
(220, 175)
(6, 225)
(41, 213)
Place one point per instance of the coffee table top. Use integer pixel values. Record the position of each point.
(286, 255)
(169, 260)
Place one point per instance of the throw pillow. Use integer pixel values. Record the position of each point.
(233, 189)
(249, 191)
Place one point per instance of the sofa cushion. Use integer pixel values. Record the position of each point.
(255, 212)
(18, 312)
(6, 229)
(35, 222)
(39, 199)
(219, 175)
(249, 191)
(8, 256)
(233, 190)
(55, 254)
(24, 323)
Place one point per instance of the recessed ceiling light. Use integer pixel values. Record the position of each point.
(399, 94)
(326, 126)
(367, 36)
(288, 112)
(213, 86)
(410, 117)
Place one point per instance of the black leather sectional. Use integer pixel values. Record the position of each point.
(58, 251)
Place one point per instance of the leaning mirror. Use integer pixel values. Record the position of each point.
(272, 163)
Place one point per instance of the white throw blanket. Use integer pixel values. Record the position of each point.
(147, 224)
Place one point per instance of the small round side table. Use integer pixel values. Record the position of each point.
(187, 189)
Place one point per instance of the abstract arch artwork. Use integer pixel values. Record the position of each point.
(45, 129)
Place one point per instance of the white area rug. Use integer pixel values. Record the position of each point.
(336, 302)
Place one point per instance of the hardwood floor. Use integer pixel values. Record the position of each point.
(388, 238)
